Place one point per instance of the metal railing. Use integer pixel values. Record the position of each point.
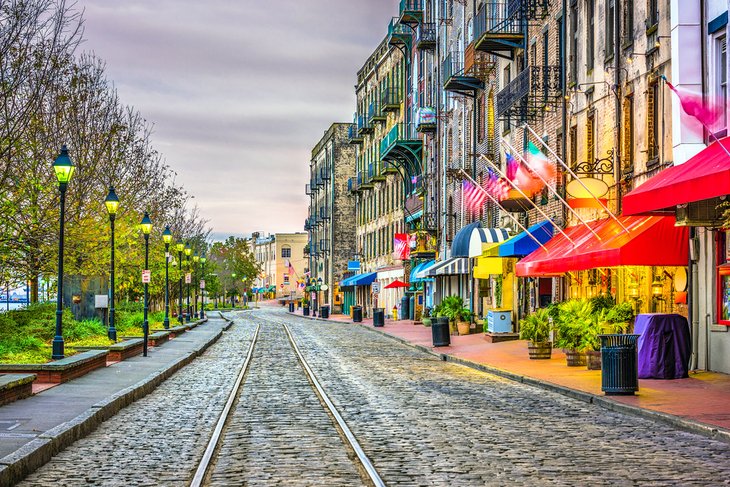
(426, 34)
(453, 65)
(411, 5)
(399, 132)
(539, 82)
(325, 173)
(498, 17)
(396, 29)
(390, 98)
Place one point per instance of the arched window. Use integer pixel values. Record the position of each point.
(286, 252)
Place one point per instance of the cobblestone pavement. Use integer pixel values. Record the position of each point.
(159, 439)
(279, 432)
(427, 422)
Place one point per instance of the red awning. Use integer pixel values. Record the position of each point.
(704, 176)
(651, 240)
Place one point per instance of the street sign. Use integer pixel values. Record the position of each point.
(101, 301)
(146, 276)
(202, 284)
(376, 287)
(188, 278)
(353, 265)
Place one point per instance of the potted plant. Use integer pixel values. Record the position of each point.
(305, 306)
(536, 329)
(426, 318)
(451, 307)
(621, 318)
(463, 321)
(574, 318)
(591, 341)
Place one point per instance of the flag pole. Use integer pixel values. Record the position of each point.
(570, 171)
(539, 210)
(554, 191)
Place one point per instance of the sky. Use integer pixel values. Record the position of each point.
(239, 91)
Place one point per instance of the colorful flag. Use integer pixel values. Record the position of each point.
(512, 166)
(290, 267)
(474, 196)
(693, 105)
(401, 249)
(496, 186)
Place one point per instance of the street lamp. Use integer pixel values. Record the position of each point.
(167, 238)
(188, 251)
(196, 259)
(180, 247)
(319, 301)
(233, 291)
(64, 169)
(146, 230)
(112, 205)
(202, 290)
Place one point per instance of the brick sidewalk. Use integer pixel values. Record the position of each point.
(702, 398)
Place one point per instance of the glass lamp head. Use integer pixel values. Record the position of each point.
(196, 258)
(167, 235)
(203, 258)
(112, 201)
(179, 246)
(63, 166)
(146, 224)
(188, 250)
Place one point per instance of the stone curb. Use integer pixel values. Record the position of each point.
(696, 427)
(33, 455)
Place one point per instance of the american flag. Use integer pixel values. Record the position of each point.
(290, 267)
(512, 166)
(474, 196)
(496, 186)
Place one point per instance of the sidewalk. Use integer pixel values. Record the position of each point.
(35, 428)
(700, 403)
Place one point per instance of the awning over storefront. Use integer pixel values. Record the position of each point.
(702, 177)
(487, 266)
(651, 241)
(468, 241)
(364, 279)
(450, 267)
(420, 268)
(523, 244)
(422, 273)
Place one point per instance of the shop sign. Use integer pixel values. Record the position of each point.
(353, 265)
(202, 284)
(376, 287)
(427, 116)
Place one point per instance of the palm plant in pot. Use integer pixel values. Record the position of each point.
(451, 308)
(536, 329)
(574, 318)
(463, 321)
(591, 341)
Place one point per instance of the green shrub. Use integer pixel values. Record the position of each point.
(536, 326)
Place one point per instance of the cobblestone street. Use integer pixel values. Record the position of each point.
(421, 421)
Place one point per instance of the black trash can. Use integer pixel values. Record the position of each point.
(291, 306)
(619, 365)
(405, 302)
(305, 310)
(324, 311)
(378, 317)
(440, 332)
(357, 314)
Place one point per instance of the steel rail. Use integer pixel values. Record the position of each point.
(215, 438)
(354, 444)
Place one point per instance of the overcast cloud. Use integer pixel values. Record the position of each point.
(239, 91)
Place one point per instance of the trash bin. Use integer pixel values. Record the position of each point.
(357, 314)
(305, 310)
(378, 317)
(404, 306)
(324, 311)
(291, 306)
(440, 332)
(619, 364)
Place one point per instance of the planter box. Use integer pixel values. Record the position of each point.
(15, 386)
(158, 338)
(174, 331)
(500, 337)
(126, 349)
(63, 370)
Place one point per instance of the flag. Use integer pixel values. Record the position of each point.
(290, 267)
(512, 166)
(693, 105)
(496, 186)
(474, 196)
(534, 172)
(401, 249)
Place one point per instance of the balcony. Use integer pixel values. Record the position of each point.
(353, 132)
(477, 63)
(365, 127)
(426, 120)
(390, 99)
(308, 189)
(402, 141)
(411, 11)
(530, 94)
(324, 213)
(388, 168)
(498, 27)
(306, 225)
(426, 36)
(455, 78)
(325, 174)
(365, 180)
(375, 114)
(399, 34)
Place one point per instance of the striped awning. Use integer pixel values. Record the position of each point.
(419, 269)
(450, 267)
(469, 240)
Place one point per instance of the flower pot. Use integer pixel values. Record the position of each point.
(452, 328)
(575, 358)
(593, 359)
(539, 350)
(426, 321)
(463, 327)
(305, 310)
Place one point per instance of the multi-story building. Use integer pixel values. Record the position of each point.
(283, 262)
(331, 210)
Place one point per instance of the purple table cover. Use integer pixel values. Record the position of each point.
(663, 347)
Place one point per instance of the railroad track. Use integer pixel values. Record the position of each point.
(233, 416)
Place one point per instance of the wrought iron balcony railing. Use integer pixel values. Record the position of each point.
(375, 114)
(400, 133)
(454, 77)
(390, 99)
(531, 90)
(499, 17)
(426, 35)
(398, 33)
(411, 11)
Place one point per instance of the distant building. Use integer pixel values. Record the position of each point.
(275, 253)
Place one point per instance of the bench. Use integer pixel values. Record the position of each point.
(174, 331)
(15, 386)
(123, 350)
(158, 338)
(63, 370)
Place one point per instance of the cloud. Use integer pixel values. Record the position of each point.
(239, 91)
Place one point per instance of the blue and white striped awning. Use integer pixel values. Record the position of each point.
(450, 267)
(468, 241)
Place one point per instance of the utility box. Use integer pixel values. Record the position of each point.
(499, 320)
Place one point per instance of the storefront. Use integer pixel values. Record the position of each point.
(422, 287)
(357, 291)
(389, 297)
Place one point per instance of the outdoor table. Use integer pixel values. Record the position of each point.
(664, 346)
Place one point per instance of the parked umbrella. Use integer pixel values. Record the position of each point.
(395, 284)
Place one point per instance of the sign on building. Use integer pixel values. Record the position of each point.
(353, 265)
(376, 287)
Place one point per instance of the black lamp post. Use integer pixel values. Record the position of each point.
(64, 169)
(202, 289)
(233, 291)
(196, 259)
(112, 205)
(180, 247)
(313, 287)
(319, 287)
(146, 229)
(167, 238)
(188, 251)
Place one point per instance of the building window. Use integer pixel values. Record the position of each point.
(652, 14)
(610, 27)
(573, 146)
(628, 152)
(574, 41)
(286, 252)
(721, 82)
(591, 138)
(590, 33)
(628, 21)
(286, 279)
(652, 123)
(723, 278)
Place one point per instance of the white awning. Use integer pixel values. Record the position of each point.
(450, 267)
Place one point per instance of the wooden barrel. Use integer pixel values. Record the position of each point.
(575, 359)
(541, 350)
